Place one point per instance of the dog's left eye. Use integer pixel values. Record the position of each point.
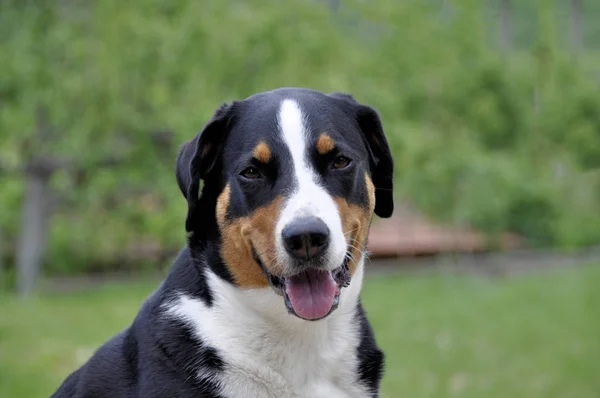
(341, 162)
(250, 173)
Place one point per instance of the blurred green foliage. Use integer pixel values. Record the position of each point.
(500, 141)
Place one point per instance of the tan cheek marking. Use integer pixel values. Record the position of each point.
(370, 192)
(356, 221)
(325, 144)
(239, 236)
(262, 153)
(223, 204)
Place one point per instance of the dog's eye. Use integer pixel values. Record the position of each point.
(341, 162)
(250, 173)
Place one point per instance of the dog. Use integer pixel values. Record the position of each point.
(264, 300)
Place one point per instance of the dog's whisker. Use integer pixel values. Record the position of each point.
(351, 231)
(360, 249)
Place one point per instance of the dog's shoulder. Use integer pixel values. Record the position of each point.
(107, 373)
(155, 356)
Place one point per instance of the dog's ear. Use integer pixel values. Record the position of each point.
(382, 164)
(197, 158)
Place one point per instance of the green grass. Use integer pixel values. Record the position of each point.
(444, 336)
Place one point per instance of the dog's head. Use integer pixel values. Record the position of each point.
(282, 186)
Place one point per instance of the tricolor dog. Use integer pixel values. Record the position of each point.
(264, 301)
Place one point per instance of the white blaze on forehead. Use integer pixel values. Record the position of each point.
(308, 197)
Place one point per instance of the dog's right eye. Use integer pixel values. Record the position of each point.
(250, 173)
(341, 162)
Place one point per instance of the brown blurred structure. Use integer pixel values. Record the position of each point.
(408, 233)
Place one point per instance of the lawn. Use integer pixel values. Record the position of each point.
(444, 335)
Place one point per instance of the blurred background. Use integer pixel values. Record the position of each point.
(485, 282)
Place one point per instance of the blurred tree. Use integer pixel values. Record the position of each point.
(36, 207)
(576, 28)
(505, 25)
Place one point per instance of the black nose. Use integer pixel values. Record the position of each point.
(306, 238)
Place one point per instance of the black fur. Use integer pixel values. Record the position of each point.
(382, 164)
(158, 356)
(370, 358)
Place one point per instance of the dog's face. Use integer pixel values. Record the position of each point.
(291, 178)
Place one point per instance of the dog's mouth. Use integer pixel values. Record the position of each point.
(314, 293)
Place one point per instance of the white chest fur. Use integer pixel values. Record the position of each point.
(269, 353)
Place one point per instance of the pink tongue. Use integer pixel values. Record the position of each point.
(311, 293)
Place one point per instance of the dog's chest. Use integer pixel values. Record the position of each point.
(298, 365)
(264, 359)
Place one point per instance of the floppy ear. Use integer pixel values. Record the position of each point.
(382, 164)
(197, 158)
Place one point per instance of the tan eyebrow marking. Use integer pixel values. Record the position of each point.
(325, 144)
(262, 153)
